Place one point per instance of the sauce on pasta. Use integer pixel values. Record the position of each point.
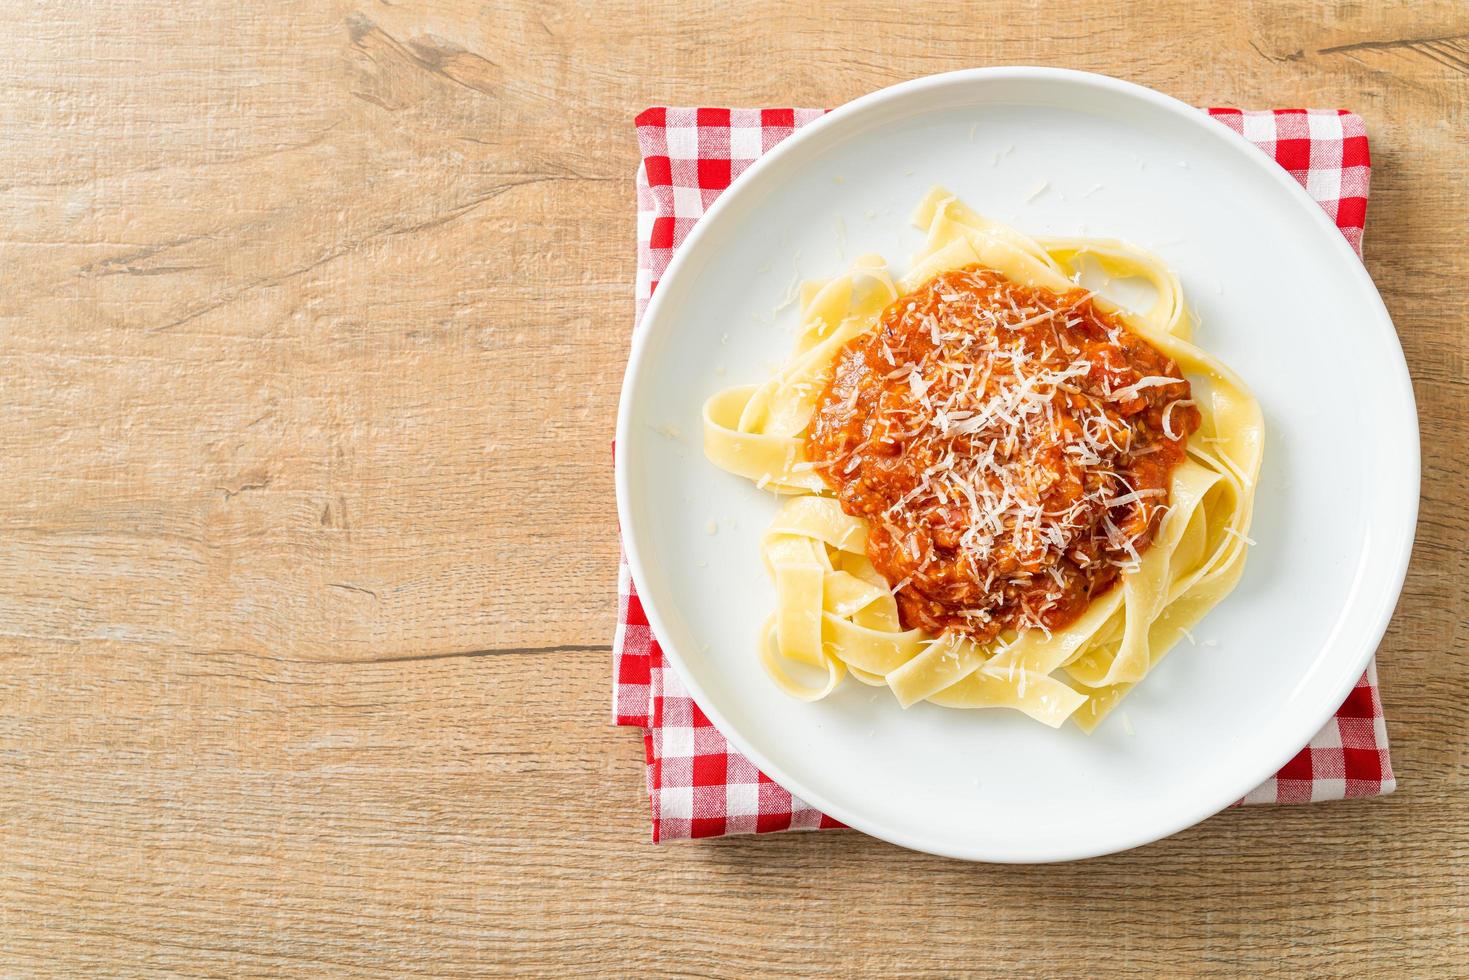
(1010, 447)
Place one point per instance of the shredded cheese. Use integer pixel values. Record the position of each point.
(979, 395)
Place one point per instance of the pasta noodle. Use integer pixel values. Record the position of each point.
(836, 613)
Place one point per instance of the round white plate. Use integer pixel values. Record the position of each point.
(1281, 298)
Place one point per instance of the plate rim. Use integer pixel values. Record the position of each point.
(1410, 480)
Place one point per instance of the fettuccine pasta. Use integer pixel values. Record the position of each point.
(1064, 505)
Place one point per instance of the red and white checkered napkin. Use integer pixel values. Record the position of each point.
(698, 784)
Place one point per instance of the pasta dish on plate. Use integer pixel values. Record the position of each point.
(1002, 490)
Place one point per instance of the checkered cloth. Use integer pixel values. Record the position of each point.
(698, 784)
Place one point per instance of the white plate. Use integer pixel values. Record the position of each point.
(1282, 299)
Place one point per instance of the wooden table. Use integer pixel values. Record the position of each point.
(313, 321)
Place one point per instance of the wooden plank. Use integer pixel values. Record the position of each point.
(242, 813)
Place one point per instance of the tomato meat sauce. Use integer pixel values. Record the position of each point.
(1011, 448)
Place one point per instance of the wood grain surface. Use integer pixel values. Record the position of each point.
(307, 307)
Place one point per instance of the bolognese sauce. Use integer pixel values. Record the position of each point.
(1011, 448)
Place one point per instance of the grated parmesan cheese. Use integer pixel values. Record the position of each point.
(999, 375)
